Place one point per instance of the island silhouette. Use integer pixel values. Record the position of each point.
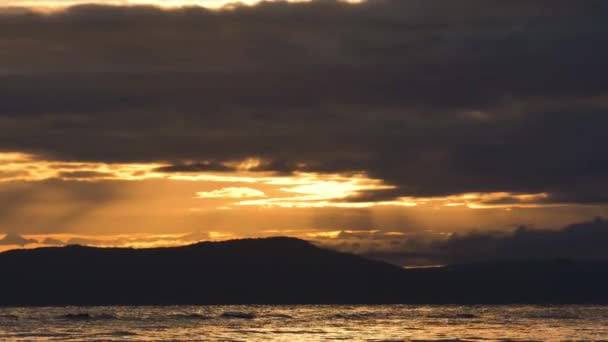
(280, 270)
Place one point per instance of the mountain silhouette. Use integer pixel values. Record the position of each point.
(278, 271)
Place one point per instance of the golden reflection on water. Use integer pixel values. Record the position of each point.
(306, 323)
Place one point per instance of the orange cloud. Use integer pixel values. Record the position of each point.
(231, 193)
(60, 4)
(28, 167)
(305, 189)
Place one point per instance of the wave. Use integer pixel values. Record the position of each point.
(555, 315)
(111, 334)
(298, 331)
(9, 317)
(187, 316)
(119, 333)
(355, 315)
(455, 316)
(238, 315)
(441, 340)
(278, 315)
(38, 334)
(84, 316)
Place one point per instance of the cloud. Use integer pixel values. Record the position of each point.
(580, 241)
(15, 239)
(52, 242)
(143, 240)
(16, 5)
(231, 193)
(436, 98)
(196, 167)
(29, 167)
(84, 175)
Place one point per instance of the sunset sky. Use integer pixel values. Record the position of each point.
(160, 3)
(374, 126)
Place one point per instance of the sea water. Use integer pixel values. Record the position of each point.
(306, 323)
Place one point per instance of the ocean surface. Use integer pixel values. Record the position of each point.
(306, 323)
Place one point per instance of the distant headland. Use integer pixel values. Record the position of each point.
(279, 271)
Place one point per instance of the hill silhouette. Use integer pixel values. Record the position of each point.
(277, 271)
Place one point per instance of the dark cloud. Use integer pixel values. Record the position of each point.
(15, 239)
(52, 242)
(84, 174)
(185, 239)
(581, 241)
(196, 167)
(89, 241)
(436, 98)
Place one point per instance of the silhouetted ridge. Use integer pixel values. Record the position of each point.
(282, 241)
(272, 270)
(278, 271)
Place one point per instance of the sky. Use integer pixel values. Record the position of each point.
(53, 5)
(391, 128)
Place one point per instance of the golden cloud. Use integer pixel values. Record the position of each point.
(51, 5)
(302, 189)
(231, 193)
(28, 167)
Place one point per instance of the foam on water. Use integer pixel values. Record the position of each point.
(306, 323)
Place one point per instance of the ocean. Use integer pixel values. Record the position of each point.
(306, 323)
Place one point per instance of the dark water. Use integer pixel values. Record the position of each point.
(306, 323)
